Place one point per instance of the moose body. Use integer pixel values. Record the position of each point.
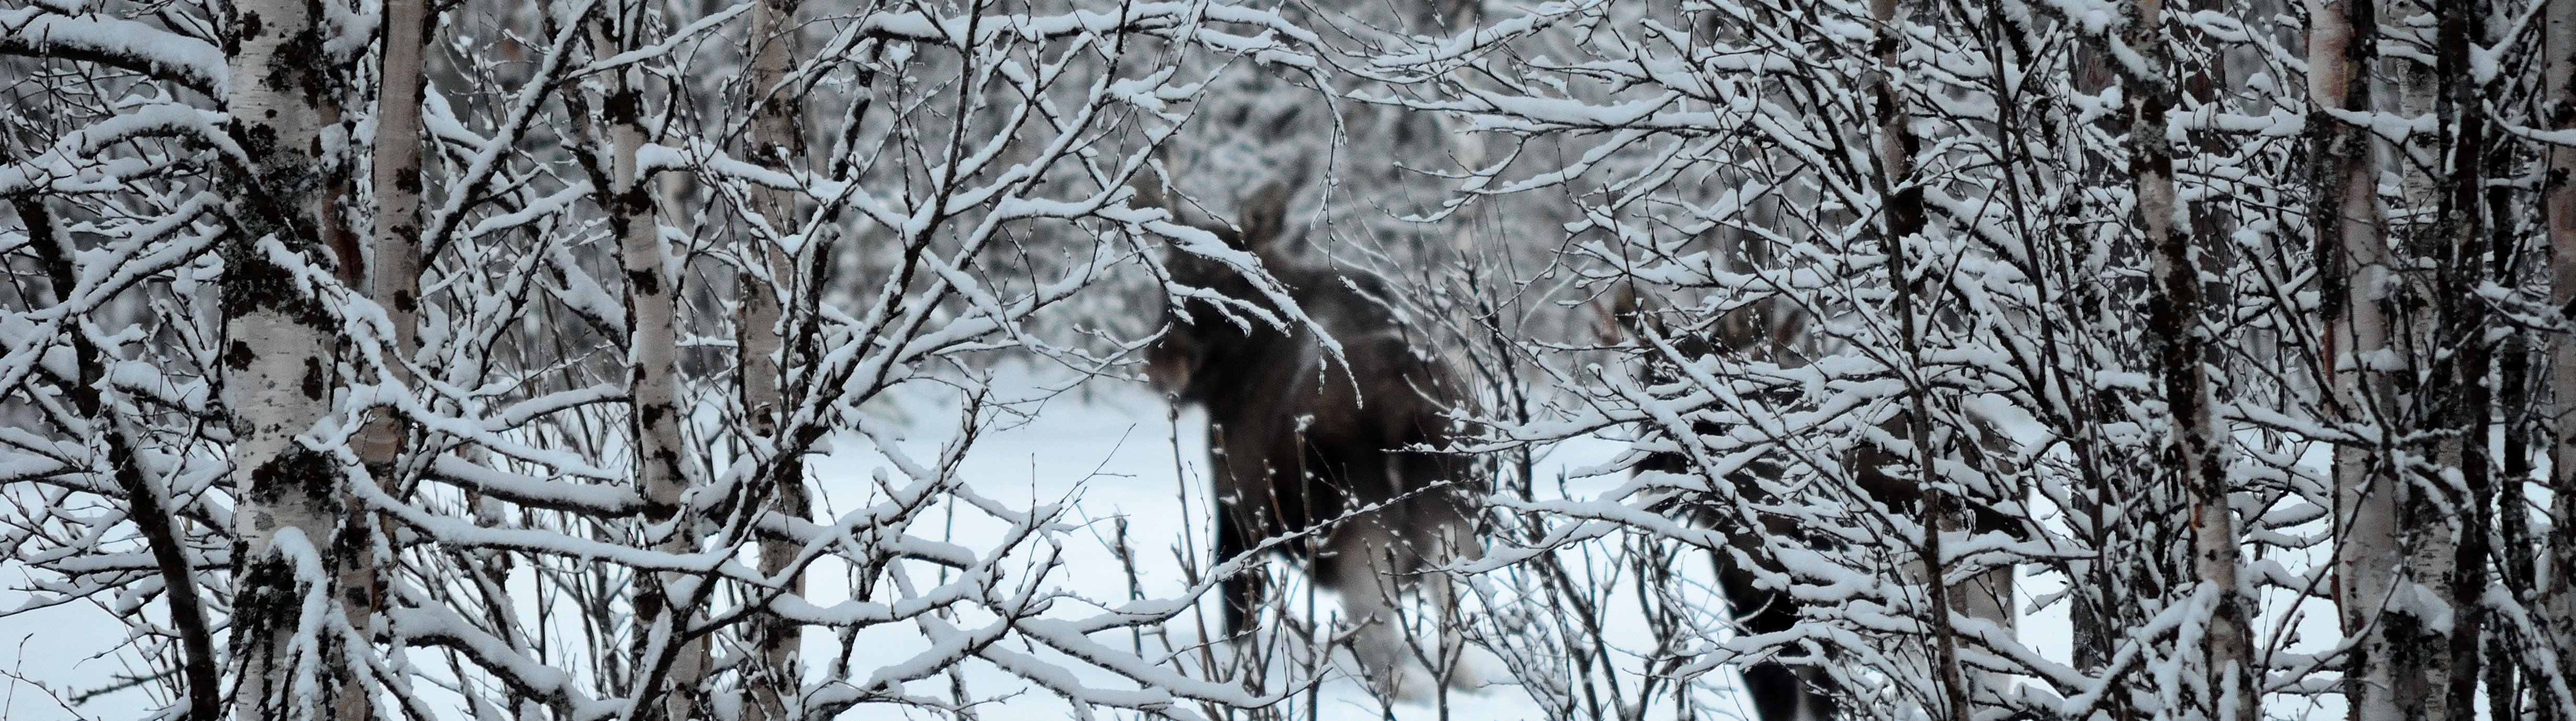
(1300, 438)
(1796, 690)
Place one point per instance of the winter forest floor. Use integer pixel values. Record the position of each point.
(1110, 450)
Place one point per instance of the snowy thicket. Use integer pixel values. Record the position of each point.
(2159, 306)
(316, 475)
(474, 359)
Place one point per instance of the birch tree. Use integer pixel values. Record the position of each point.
(2558, 109)
(2229, 689)
(777, 141)
(278, 365)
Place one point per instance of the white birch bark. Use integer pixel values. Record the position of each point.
(2173, 324)
(2367, 555)
(2430, 550)
(653, 381)
(395, 277)
(2558, 202)
(277, 361)
(777, 143)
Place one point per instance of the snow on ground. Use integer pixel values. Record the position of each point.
(1112, 451)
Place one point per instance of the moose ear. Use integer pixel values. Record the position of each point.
(1150, 193)
(1263, 215)
(1148, 185)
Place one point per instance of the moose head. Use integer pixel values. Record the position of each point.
(1306, 439)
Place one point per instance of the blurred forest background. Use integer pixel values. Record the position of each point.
(586, 359)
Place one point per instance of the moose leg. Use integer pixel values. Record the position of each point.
(1242, 591)
(1780, 692)
(1246, 497)
(1362, 568)
(1441, 525)
(1987, 597)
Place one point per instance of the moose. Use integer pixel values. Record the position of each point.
(1304, 439)
(1796, 690)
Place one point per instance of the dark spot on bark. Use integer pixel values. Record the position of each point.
(259, 140)
(262, 521)
(406, 301)
(240, 355)
(625, 107)
(301, 65)
(314, 385)
(252, 283)
(669, 460)
(352, 547)
(250, 25)
(644, 282)
(297, 470)
(633, 206)
(408, 181)
(652, 414)
(266, 607)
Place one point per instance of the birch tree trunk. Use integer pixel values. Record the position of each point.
(2421, 665)
(395, 282)
(2175, 334)
(2459, 106)
(777, 143)
(278, 364)
(2558, 202)
(653, 382)
(2350, 247)
(396, 278)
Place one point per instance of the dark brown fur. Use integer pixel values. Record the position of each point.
(1300, 438)
(1779, 691)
